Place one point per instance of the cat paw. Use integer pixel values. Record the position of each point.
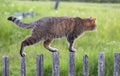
(72, 50)
(54, 50)
(23, 54)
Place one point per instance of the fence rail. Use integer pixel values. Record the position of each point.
(56, 65)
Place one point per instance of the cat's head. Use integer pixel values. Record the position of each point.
(89, 24)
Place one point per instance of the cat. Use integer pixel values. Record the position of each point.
(49, 28)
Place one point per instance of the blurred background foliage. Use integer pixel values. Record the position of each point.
(106, 39)
(98, 1)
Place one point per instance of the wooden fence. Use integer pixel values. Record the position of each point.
(56, 65)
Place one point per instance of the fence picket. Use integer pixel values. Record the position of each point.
(22, 66)
(117, 64)
(71, 66)
(5, 66)
(39, 65)
(55, 64)
(85, 66)
(101, 59)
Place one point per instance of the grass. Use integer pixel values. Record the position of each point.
(106, 39)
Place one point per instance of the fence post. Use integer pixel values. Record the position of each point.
(117, 64)
(56, 4)
(55, 64)
(39, 65)
(5, 66)
(22, 66)
(71, 66)
(85, 66)
(101, 62)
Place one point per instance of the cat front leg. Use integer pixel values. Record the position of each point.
(46, 45)
(71, 41)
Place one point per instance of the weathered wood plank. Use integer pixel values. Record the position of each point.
(39, 65)
(5, 66)
(71, 66)
(117, 64)
(85, 66)
(22, 66)
(101, 64)
(55, 64)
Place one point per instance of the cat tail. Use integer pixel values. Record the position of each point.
(21, 24)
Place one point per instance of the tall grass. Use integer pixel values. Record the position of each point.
(105, 39)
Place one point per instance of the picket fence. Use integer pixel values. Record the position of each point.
(56, 65)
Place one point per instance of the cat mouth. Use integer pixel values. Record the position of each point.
(94, 28)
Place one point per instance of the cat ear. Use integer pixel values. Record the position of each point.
(90, 17)
(93, 20)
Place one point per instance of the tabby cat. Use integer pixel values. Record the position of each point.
(49, 28)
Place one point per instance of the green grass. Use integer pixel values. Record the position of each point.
(106, 39)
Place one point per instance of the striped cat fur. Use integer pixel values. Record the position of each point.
(49, 28)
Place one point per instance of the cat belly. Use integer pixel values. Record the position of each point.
(59, 35)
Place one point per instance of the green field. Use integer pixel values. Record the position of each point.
(106, 39)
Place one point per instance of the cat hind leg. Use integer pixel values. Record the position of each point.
(28, 41)
(46, 45)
